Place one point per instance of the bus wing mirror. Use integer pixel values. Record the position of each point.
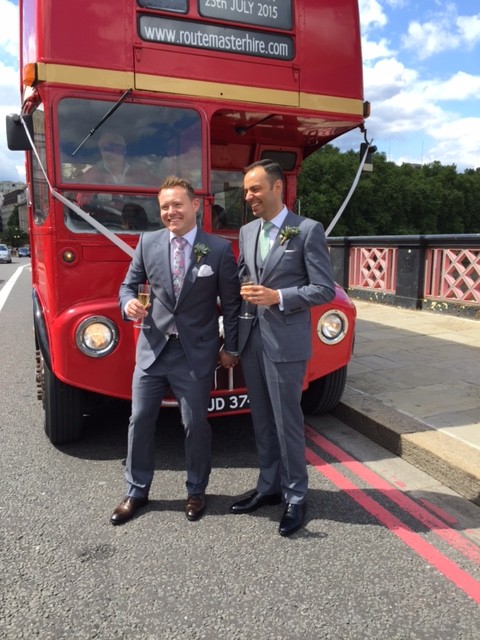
(369, 150)
(17, 139)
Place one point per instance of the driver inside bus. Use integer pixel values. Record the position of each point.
(115, 168)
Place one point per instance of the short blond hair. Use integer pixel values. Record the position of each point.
(174, 181)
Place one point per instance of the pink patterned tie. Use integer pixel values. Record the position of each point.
(178, 270)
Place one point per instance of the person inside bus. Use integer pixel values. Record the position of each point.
(113, 166)
(219, 217)
(134, 217)
(288, 257)
(188, 271)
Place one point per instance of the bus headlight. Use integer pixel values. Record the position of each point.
(96, 336)
(332, 327)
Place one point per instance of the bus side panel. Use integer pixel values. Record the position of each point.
(86, 33)
(332, 40)
(243, 71)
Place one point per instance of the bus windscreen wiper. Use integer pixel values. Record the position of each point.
(105, 117)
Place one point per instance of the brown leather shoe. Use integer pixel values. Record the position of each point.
(127, 509)
(195, 506)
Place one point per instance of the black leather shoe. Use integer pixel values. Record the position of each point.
(195, 506)
(127, 509)
(292, 519)
(255, 501)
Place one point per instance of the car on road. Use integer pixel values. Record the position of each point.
(5, 255)
(23, 252)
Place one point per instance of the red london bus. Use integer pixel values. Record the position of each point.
(199, 88)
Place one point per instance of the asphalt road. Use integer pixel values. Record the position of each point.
(387, 552)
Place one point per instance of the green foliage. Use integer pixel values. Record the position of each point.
(14, 220)
(392, 200)
(14, 236)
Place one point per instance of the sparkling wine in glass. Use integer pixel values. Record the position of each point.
(143, 297)
(245, 282)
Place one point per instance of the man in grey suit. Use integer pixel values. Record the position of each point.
(288, 257)
(188, 271)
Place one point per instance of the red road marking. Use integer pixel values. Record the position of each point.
(439, 527)
(428, 552)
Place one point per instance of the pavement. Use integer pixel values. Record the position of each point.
(413, 386)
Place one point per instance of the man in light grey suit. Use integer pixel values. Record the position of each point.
(288, 257)
(188, 271)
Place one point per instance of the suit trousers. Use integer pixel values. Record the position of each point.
(275, 391)
(169, 371)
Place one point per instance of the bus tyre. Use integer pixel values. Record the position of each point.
(323, 395)
(63, 409)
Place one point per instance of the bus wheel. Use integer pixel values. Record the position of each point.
(63, 409)
(324, 394)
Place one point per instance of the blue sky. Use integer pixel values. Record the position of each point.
(421, 75)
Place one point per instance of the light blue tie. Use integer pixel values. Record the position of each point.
(265, 239)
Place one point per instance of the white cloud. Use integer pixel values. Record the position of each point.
(374, 50)
(371, 14)
(431, 37)
(457, 142)
(9, 29)
(11, 162)
(469, 28)
(459, 87)
(386, 79)
(446, 31)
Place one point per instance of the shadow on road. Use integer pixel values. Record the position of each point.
(104, 437)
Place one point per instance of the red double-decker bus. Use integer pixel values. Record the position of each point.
(118, 94)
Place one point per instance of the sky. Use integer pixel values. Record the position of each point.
(421, 76)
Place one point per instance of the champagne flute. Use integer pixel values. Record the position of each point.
(144, 293)
(245, 282)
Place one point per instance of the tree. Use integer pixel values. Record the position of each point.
(14, 236)
(392, 200)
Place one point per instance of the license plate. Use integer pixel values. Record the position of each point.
(231, 402)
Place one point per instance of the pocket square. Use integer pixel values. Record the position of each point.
(290, 250)
(204, 271)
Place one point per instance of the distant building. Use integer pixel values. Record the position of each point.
(6, 186)
(13, 194)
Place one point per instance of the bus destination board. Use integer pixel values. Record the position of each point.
(264, 13)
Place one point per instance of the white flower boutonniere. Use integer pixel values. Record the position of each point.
(201, 250)
(287, 233)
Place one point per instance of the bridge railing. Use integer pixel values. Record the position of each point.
(437, 272)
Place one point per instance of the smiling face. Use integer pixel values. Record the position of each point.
(263, 195)
(178, 210)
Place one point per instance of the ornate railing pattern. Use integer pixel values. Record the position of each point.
(436, 272)
(373, 268)
(453, 274)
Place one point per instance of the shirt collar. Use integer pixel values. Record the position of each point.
(189, 236)
(279, 219)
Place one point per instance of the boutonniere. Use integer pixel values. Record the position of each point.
(201, 250)
(287, 233)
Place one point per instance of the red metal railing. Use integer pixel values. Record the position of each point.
(453, 274)
(411, 271)
(373, 268)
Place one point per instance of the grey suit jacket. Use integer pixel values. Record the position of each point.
(195, 313)
(301, 269)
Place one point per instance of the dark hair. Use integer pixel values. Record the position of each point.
(174, 181)
(219, 218)
(134, 216)
(273, 170)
